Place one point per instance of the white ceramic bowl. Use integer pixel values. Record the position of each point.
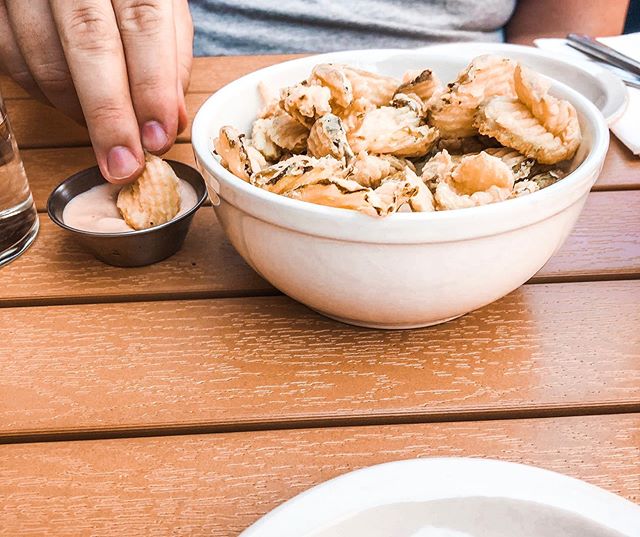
(406, 270)
(404, 490)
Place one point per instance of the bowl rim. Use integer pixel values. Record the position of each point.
(134, 233)
(277, 204)
(433, 478)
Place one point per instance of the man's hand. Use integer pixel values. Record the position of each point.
(121, 66)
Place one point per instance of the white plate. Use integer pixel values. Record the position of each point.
(600, 86)
(329, 508)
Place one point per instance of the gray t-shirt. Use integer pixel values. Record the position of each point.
(286, 26)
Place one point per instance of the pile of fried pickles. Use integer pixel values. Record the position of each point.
(353, 139)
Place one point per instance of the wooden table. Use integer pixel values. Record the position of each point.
(190, 397)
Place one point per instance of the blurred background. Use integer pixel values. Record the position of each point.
(633, 17)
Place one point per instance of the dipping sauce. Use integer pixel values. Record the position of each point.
(95, 210)
(467, 517)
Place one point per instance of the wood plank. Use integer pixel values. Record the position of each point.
(605, 244)
(621, 168)
(220, 484)
(56, 268)
(252, 362)
(37, 125)
(208, 74)
(10, 90)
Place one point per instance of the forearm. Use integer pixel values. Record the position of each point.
(557, 18)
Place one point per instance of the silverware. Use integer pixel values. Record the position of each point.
(133, 248)
(630, 68)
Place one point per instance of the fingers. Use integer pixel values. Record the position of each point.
(184, 44)
(148, 35)
(11, 60)
(42, 52)
(89, 34)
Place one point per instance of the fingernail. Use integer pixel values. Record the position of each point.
(154, 137)
(121, 162)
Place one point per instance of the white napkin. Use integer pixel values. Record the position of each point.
(626, 128)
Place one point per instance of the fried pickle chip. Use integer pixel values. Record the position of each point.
(437, 169)
(532, 90)
(422, 201)
(369, 170)
(373, 87)
(261, 138)
(454, 110)
(329, 137)
(335, 79)
(480, 172)
(425, 84)
(537, 124)
(353, 115)
(522, 188)
(395, 131)
(288, 134)
(237, 155)
(153, 198)
(298, 171)
(476, 180)
(392, 194)
(547, 177)
(410, 101)
(306, 102)
(270, 100)
(513, 125)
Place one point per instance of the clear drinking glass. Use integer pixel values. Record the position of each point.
(18, 216)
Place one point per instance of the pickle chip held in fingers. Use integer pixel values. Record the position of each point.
(153, 198)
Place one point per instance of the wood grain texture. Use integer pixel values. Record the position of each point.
(605, 244)
(10, 90)
(231, 363)
(621, 168)
(217, 485)
(57, 268)
(208, 73)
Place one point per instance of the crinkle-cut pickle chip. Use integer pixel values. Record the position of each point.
(453, 111)
(537, 124)
(306, 103)
(395, 131)
(153, 198)
(329, 137)
(513, 125)
(471, 181)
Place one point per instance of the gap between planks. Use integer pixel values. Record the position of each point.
(478, 416)
(38, 302)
